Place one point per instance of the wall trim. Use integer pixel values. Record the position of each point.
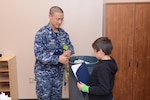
(37, 99)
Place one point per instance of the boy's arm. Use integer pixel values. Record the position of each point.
(83, 87)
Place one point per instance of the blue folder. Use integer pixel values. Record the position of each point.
(83, 75)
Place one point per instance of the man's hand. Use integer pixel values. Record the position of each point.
(63, 59)
(67, 53)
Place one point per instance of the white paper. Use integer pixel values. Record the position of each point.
(80, 61)
(4, 97)
(75, 68)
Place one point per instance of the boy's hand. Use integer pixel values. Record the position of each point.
(80, 85)
(83, 87)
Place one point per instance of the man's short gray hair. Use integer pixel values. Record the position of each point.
(55, 9)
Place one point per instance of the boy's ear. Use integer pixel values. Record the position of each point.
(101, 50)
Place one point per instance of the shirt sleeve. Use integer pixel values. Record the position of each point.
(40, 51)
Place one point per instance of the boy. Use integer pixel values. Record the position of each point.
(102, 78)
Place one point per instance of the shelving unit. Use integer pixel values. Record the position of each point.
(8, 76)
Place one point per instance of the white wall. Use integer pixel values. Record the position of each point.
(20, 20)
(126, 0)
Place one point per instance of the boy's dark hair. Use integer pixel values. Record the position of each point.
(103, 43)
(55, 9)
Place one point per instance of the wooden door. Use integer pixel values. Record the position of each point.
(141, 79)
(119, 27)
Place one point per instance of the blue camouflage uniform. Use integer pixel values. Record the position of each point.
(48, 45)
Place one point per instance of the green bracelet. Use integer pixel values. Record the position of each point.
(85, 88)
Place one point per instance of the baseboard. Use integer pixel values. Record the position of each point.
(28, 99)
(37, 99)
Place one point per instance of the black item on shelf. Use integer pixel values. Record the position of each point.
(0, 55)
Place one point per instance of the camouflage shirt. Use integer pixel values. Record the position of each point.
(48, 45)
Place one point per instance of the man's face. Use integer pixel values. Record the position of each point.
(56, 20)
